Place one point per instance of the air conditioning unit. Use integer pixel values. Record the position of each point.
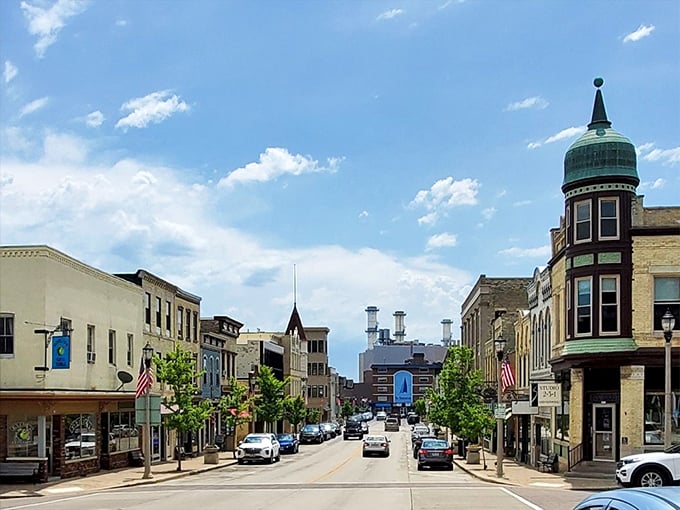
(91, 357)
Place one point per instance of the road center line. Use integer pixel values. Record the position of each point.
(338, 467)
(521, 499)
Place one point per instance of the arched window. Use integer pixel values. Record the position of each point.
(205, 370)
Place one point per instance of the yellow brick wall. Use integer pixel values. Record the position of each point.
(576, 407)
(632, 410)
(558, 275)
(652, 256)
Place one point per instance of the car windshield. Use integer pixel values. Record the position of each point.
(284, 437)
(434, 444)
(253, 439)
(310, 428)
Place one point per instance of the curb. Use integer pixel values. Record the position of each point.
(475, 474)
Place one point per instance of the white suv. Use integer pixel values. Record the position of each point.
(650, 469)
(258, 447)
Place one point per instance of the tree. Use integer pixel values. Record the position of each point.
(420, 406)
(294, 410)
(269, 401)
(235, 407)
(347, 409)
(313, 415)
(178, 370)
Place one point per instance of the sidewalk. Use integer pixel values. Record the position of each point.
(515, 474)
(124, 477)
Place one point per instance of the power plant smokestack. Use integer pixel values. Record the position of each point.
(372, 327)
(399, 328)
(446, 332)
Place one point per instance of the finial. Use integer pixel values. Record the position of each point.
(598, 82)
(599, 118)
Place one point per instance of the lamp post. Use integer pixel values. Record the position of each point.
(499, 344)
(667, 324)
(147, 352)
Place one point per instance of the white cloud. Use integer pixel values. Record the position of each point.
(275, 162)
(562, 135)
(530, 102)
(121, 22)
(33, 106)
(392, 13)
(94, 119)
(443, 240)
(152, 108)
(363, 214)
(668, 157)
(428, 219)
(448, 193)
(656, 184)
(489, 213)
(15, 140)
(521, 203)
(541, 251)
(10, 71)
(47, 23)
(642, 31)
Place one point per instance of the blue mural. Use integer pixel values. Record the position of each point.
(403, 387)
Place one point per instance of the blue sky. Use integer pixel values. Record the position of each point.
(391, 151)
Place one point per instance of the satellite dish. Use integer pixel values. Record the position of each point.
(124, 377)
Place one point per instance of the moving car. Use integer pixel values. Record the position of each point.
(650, 469)
(376, 445)
(311, 434)
(353, 429)
(381, 416)
(658, 498)
(261, 447)
(288, 443)
(392, 424)
(435, 452)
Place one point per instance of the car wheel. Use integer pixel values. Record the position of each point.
(345, 438)
(278, 457)
(420, 467)
(364, 454)
(270, 460)
(297, 449)
(239, 461)
(651, 477)
(450, 467)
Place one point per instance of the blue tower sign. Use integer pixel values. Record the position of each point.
(403, 387)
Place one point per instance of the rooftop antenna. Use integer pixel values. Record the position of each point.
(294, 284)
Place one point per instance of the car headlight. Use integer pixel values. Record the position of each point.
(630, 460)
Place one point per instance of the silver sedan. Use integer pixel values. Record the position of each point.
(376, 445)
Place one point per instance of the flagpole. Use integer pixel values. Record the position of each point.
(148, 353)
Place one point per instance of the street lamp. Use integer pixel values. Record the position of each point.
(147, 354)
(499, 344)
(667, 324)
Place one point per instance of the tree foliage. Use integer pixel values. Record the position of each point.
(347, 409)
(313, 415)
(178, 370)
(420, 406)
(294, 410)
(269, 401)
(235, 406)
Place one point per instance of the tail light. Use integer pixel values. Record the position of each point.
(365, 443)
(383, 444)
(448, 452)
(422, 452)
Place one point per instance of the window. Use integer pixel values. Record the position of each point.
(81, 438)
(582, 222)
(321, 391)
(382, 370)
(195, 326)
(382, 389)
(112, 347)
(666, 297)
(188, 325)
(22, 436)
(654, 418)
(180, 322)
(168, 317)
(609, 221)
(314, 369)
(147, 309)
(423, 379)
(130, 348)
(158, 313)
(609, 304)
(123, 434)
(322, 347)
(382, 379)
(583, 307)
(6, 334)
(424, 370)
(90, 341)
(562, 415)
(315, 391)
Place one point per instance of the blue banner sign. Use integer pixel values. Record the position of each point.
(403, 387)
(61, 352)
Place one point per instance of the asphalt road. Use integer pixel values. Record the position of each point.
(333, 475)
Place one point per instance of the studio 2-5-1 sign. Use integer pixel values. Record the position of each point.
(549, 394)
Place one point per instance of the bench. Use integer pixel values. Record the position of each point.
(136, 458)
(547, 462)
(19, 470)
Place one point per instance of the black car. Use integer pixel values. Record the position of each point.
(311, 434)
(328, 430)
(435, 452)
(418, 441)
(412, 418)
(353, 429)
(288, 443)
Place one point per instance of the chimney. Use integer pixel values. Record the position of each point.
(446, 332)
(399, 328)
(372, 326)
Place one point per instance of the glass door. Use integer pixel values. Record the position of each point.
(604, 432)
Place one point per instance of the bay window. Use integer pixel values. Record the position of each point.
(582, 222)
(609, 304)
(583, 306)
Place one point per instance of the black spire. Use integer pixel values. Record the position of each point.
(599, 114)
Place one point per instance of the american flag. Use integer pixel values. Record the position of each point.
(144, 380)
(507, 377)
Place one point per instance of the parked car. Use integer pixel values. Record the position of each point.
(376, 445)
(337, 427)
(435, 452)
(419, 441)
(381, 416)
(353, 429)
(650, 469)
(288, 443)
(412, 418)
(657, 498)
(328, 430)
(392, 424)
(311, 434)
(364, 427)
(261, 447)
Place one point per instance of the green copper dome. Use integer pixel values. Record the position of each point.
(601, 152)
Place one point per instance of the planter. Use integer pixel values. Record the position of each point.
(211, 455)
(472, 454)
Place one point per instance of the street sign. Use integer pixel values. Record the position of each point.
(140, 410)
(499, 412)
(549, 394)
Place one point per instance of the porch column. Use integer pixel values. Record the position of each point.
(632, 410)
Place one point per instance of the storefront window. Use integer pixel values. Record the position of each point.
(654, 418)
(81, 438)
(562, 416)
(123, 434)
(22, 436)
